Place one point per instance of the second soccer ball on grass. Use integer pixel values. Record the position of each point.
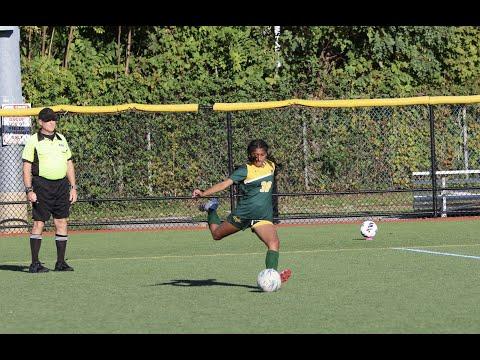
(368, 229)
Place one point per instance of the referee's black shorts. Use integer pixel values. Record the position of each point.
(53, 197)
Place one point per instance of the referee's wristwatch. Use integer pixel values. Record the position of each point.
(28, 189)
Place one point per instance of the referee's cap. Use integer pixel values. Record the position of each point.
(47, 114)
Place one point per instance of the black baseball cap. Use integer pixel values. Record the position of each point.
(47, 114)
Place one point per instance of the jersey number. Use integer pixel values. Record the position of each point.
(266, 185)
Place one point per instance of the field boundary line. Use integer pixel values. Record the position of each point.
(438, 253)
(237, 254)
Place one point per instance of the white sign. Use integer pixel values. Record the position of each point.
(16, 129)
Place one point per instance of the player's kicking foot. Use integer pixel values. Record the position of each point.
(210, 205)
(285, 275)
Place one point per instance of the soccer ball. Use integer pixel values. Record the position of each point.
(269, 280)
(368, 229)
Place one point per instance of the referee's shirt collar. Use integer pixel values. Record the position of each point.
(42, 136)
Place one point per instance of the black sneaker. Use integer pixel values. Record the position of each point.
(62, 266)
(37, 267)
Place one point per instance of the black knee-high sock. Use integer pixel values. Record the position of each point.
(61, 242)
(35, 243)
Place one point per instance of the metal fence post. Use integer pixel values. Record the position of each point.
(433, 159)
(11, 180)
(230, 158)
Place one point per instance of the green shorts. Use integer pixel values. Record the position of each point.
(243, 224)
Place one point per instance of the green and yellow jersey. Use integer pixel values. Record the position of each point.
(256, 187)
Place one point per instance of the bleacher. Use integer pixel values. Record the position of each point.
(458, 192)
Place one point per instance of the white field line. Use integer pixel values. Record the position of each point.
(239, 254)
(438, 253)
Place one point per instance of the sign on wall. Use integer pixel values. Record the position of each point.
(16, 129)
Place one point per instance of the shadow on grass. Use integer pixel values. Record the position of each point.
(207, 282)
(361, 239)
(22, 268)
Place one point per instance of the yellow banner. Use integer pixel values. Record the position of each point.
(344, 103)
(112, 109)
(420, 100)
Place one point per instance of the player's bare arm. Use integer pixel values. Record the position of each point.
(214, 189)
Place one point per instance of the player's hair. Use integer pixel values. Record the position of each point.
(256, 144)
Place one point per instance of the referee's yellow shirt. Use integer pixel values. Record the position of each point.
(48, 157)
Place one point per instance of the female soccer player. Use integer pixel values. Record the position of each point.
(254, 209)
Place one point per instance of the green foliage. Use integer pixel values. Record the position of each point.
(45, 82)
(322, 150)
(226, 64)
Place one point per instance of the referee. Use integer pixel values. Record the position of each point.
(49, 178)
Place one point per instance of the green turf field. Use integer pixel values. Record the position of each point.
(184, 282)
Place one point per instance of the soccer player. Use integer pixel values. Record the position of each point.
(254, 209)
(49, 178)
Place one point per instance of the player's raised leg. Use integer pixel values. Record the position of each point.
(217, 228)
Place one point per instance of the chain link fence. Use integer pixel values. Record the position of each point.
(456, 130)
(138, 169)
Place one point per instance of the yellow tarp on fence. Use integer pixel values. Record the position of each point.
(112, 109)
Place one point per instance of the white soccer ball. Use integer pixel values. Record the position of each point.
(269, 280)
(368, 229)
